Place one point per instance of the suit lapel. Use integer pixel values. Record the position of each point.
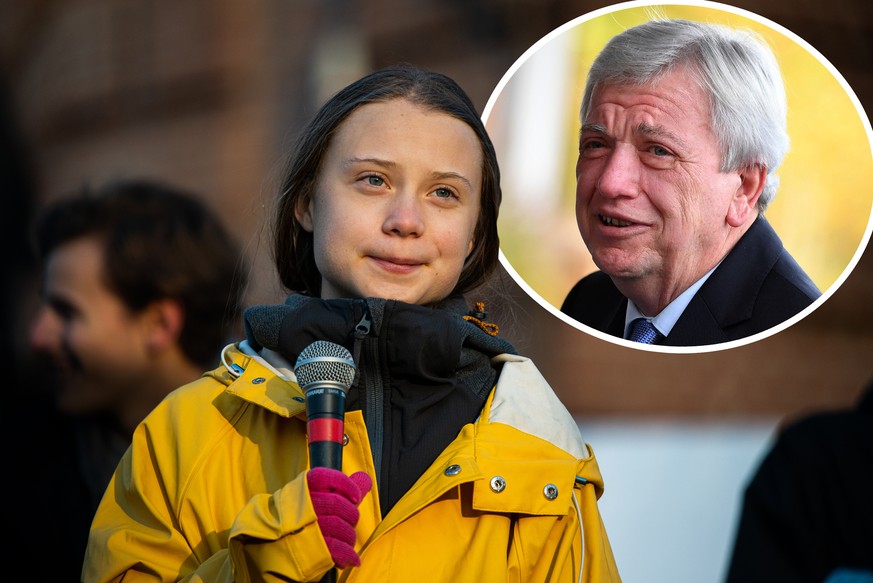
(696, 326)
(728, 297)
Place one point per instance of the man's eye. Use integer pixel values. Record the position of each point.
(63, 310)
(660, 151)
(375, 181)
(592, 148)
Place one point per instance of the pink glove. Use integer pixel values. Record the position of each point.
(335, 498)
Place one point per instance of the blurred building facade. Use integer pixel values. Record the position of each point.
(208, 94)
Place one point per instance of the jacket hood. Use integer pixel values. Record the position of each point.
(521, 389)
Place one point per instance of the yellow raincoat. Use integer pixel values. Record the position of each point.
(213, 488)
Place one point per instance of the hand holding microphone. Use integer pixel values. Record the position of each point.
(325, 371)
(335, 498)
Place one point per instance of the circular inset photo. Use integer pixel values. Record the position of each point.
(682, 177)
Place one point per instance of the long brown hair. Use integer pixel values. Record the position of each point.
(293, 245)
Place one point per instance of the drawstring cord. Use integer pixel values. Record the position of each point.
(580, 481)
(478, 316)
(234, 369)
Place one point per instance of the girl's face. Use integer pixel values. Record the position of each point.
(395, 205)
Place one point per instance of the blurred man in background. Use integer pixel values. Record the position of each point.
(808, 512)
(140, 289)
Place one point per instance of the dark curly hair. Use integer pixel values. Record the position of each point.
(159, 242)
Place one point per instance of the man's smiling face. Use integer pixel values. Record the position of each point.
(651, 199)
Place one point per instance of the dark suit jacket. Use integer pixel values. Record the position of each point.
(757, 286)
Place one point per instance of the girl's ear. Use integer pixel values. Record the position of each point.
(303, 212)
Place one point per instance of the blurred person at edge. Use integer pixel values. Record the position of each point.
(807, 514)
(683, 128)
(141, 288)
(459, 462)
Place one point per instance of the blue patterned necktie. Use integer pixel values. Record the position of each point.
(644, 331)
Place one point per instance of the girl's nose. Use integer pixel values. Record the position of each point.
(404, 216)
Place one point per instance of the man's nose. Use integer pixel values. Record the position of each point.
(45, 331)
(621, 172)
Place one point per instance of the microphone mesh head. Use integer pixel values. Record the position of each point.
(325, 362)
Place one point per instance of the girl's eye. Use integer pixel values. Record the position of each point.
(443, 193)
(375, 181)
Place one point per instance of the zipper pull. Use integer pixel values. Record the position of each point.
(362, 329)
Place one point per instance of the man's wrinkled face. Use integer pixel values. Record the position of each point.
(651, 199)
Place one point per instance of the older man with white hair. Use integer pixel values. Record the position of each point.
(683, 127)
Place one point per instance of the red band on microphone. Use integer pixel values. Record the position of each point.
(325, 429)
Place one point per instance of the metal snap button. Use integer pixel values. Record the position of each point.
(298, 399)
(498, 484)
(453, 470)
(345, 439)
(550, 491)
(258, 380)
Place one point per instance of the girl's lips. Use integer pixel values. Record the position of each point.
(397, 264)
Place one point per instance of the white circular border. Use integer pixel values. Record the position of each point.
(726, 8)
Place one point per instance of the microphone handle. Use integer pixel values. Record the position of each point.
(325, 411)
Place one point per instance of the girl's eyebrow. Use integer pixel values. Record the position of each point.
(377, 161)
(450, 176)
(436, 174)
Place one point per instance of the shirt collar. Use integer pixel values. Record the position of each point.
(667, 318)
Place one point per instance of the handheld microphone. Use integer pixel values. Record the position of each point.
(325, 371)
